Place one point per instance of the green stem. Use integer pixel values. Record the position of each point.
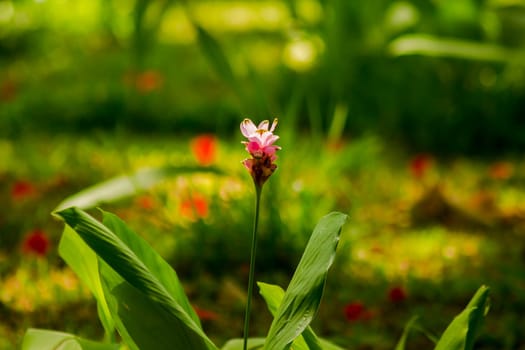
(252, 266)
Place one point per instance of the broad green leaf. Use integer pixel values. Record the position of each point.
(237, 344)
(273, 295)
(142, 323)
(83, 261)
(421, 44)
(124, 261)
(303, 296)
(461, 332)
(40, 339)
(408, 327)
(153, 261)
(124, 186)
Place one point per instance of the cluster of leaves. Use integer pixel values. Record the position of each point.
(140, 296)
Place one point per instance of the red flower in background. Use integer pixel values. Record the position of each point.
(148, 81)
(397, 294)
(144, 82)
(420, 164)
(195, 205)
(357, 311)
(36, 243)
(22, 189)
(8, 90)
(501, 170)
(354, 311)
(205, 315)
(146, 202)
(204, 149)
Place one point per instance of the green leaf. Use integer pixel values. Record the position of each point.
(217, 58)
(273, 295)
(237, 344)
(142, 323)
(153, 261)
(124, 186)
(408, 327)
(122, 310)
(303, 296)
(124, 261)
(83, 261)
(421, 44)
(39, 339)
(461, 332)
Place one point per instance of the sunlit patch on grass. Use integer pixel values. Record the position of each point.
(27, 290)
(427, 254)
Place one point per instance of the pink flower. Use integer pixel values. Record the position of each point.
(36, 243)
(204, 149)
(261, 147)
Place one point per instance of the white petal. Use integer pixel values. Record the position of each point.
(263, 125)
(274, 124)
(270, 139)
(248, 128)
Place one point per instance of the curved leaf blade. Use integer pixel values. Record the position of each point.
(303, 296)
(83, 261)
(124, 186)
(216, 56)
(114, 252)
(461, 332)
(427, 45)
(153, 261)
(408, 327)
(273, 295)
(142, 323)
(237, 344)
(40, 339)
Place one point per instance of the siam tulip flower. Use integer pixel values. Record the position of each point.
(204, 149)
(261, 166)
(36, 243)
(261, 147)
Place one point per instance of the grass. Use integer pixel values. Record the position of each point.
(395, 236)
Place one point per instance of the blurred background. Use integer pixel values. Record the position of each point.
(407, 115)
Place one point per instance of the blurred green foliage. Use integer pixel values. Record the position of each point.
(446, 76)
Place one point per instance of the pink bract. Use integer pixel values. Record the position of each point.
(261, 147)
(260, 138)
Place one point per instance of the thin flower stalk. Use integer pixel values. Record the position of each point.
(261, 165)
